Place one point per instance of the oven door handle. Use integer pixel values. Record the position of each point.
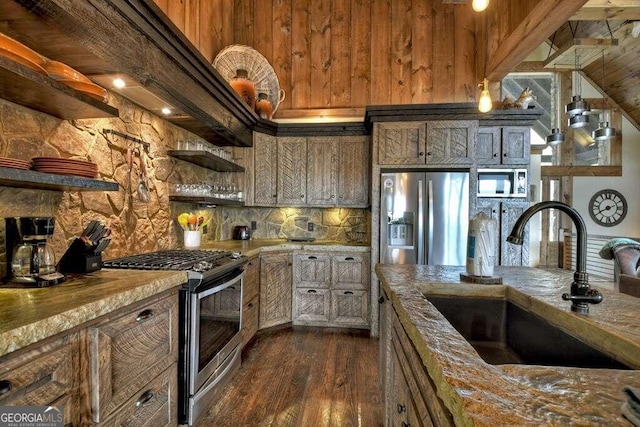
(218, 287)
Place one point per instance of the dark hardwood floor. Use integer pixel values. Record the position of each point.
(303, 377)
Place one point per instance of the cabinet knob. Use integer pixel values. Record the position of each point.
(381, 300)
(341, 197)
(428, 153)
(274, 195)
(302, 196)
(312, 291)
(5, 387)
(312, 257)
(495, 154)
(401, 408)
(349, 258)
(505, 155)
(144, 315)
(333, 196)
(348, 293)
(250, 305)
(421, 153)
(403, 424)
(144, 398)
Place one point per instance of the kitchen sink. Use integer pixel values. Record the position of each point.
(503, 333)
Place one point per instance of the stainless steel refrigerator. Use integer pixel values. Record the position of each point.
(424, 218)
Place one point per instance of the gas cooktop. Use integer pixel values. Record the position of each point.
(198, 263)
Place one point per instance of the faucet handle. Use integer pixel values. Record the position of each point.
(580, 303)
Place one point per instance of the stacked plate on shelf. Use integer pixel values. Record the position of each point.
(7, 162)
(65, 166)
(20, 53)
(75, 79)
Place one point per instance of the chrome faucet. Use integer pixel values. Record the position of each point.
(581, 294)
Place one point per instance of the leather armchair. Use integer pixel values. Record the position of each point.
(627, 261)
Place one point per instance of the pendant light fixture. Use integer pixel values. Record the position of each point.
(479, 5)
(604, 132)
(578, 109)
(485, 104)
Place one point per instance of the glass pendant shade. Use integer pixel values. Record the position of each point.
(604, 132)
(579, 121)
(556, 137)
(485, 104)
(576, 106)
(479, 5)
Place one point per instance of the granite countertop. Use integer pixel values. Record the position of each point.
(252, 247)
(478, 393)
(29, 315)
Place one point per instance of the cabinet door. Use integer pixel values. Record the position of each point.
(128, 351)
(265, 157)
(312, 270)
(45, 375)
(516, 143)
(451, 142)
(511, 254)
(488, 148)
(492, 209)
(401, 143)
(250, 299)
(322, 170)
(292, 171)
(350, 308)
(350, 271)
(311, 306)
(353, 172)
(275, 289)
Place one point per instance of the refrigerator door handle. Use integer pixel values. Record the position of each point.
(430, 213)
(420, 226)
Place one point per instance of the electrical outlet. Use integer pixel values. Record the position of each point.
(310, 226)
(204, 229)
(254, 225)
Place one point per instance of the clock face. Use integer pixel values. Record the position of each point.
(608, 208)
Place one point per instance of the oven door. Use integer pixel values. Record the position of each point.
(215, 328)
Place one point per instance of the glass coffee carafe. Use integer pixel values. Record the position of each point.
(32, 262)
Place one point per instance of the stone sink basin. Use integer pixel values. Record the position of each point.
(504, 333)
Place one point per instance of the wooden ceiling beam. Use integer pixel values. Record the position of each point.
(601, 10)
(539, 25)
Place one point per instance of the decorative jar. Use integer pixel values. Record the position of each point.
(244, 87)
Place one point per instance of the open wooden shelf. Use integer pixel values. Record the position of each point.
(208, 201)
(206, 160)
(39, 92)
(10, 177)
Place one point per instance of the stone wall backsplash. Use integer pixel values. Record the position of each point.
(136, 226)
(339, 224)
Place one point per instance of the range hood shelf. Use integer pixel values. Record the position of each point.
(42, 93)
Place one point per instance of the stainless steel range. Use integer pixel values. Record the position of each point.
(210, 320)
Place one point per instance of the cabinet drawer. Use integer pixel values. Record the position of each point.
(130, 350)
(350, 308)
(350, 271)
(311, 306)
(155, 405)
(312, 270)
(250, 318)
(46, 375)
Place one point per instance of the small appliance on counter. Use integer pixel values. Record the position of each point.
(241, 232)
(30, 260)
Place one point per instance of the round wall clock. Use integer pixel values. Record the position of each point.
(608, 208)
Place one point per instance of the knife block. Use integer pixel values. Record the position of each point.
(79, 259)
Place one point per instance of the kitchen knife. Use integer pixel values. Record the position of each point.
(95, 234)
(90, 228)
(102, 246)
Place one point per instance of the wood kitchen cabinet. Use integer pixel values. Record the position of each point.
(331, 289)
(250, 299)
(408, 392)
(275, 289)
(503, 146)
(132, 356)
(442, 142)
(45, 374)
(292, 171)
(506, 212)
(265, 170)
(338, 171)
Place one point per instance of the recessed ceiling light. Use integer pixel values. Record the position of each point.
(166, 111)
(119, 83)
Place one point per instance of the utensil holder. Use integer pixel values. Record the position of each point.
(79, 259)
(192, 239)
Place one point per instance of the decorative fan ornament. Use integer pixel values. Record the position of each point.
(240, 57)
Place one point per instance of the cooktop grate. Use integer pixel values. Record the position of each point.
(169, 260)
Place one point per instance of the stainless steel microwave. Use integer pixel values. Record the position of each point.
(502, 183)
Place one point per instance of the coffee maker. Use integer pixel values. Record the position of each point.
(30, 260)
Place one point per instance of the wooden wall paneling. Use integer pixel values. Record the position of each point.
(401, 42)
(192, 22)
(206, 35)
(421, 52)
(164, 5)
(243, 26)
(300, 83)
(443, 52)
(320, 54)
(380, 52)
(282, 48)
(360, 61)
(340, 75)
(464, 60)
(176, 11)
(221, 33)
(262, 29)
